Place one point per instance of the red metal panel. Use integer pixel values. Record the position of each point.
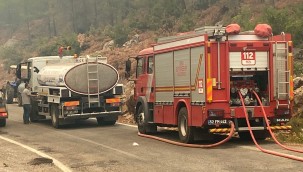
(198, 115)
(158, 114)
(168, 114)
(239, 112)
(271, 75)
(223, 92)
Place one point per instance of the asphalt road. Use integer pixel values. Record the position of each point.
(85, 146)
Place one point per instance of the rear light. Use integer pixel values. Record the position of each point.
(215, 112)
(113, 100)
(282, 111)
(3, 114)
(72, 103)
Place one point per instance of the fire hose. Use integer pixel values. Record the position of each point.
(256, 143)
(232, 130)
(269, 129)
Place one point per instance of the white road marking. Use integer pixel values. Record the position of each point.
(99, 144)
(60, 165)
(134, 126)
(96, 143)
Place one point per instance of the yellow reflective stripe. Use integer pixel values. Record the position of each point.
(208, 61)
(291, 88)
(284, 127)
(219, 130)
(209, 92)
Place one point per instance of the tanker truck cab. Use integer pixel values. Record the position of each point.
(68, 89)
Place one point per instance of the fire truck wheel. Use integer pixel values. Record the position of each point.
(186, 133)
(2, 122)
(55, 115)
(143, 126)
(9, 94)
(259, 135)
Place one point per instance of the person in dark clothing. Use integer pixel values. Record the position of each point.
(26, 101)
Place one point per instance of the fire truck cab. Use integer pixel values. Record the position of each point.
(194, 82)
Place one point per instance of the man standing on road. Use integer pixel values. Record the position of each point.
(26, 101)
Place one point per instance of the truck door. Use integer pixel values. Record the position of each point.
(144, 74)
(139, 75)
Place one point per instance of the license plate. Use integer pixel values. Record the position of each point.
(216, 121)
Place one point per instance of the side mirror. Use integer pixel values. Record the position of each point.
(128, 65)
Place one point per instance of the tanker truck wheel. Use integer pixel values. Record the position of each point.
(142, 120)
(2, 122)
(55, 115)
(9, 94)
(186, 133)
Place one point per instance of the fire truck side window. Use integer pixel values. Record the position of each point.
(139, 66)
(150, 64)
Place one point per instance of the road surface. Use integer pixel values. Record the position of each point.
(85, 146)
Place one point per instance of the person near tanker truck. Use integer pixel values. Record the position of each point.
(26, 103)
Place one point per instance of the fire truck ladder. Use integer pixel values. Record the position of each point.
(93, 81)
(283, 73)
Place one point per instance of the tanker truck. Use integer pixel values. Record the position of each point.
(68, 89)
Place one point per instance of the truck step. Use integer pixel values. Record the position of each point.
(253, 128)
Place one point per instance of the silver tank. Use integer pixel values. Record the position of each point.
(74, 76)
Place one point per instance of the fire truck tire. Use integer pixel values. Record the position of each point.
(259, 135)
(2, 122)
(186, 133)
(19, 99)
(55, 116)
(143, 126)
(9, 94)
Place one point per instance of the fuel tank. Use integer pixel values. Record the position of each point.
(80, 78)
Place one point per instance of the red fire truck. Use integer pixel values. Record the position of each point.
(194, 81)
